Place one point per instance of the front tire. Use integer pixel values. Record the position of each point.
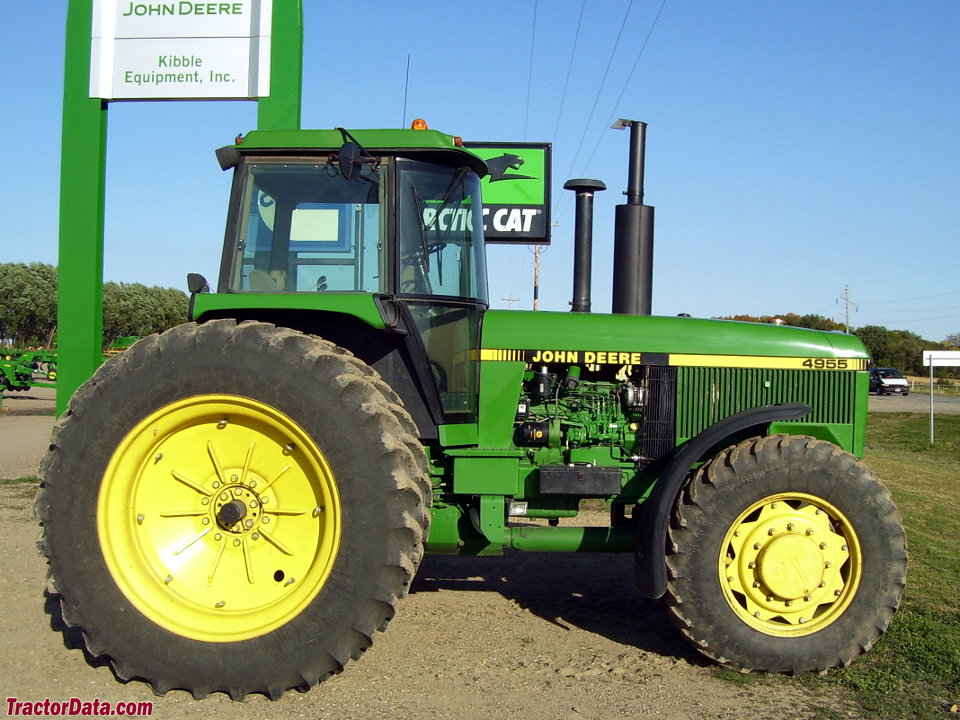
(785, 554)
(232, 508)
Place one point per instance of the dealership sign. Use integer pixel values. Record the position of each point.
(516, 191)
(180, 50)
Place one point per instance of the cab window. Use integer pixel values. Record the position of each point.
(303, 227)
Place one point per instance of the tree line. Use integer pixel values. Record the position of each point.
(899, 349)
(28, 307)
(28, 318)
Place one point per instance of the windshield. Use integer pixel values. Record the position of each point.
(441, 235)
(303, 227)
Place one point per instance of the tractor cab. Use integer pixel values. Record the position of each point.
(390, 215)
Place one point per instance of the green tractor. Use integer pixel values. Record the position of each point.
(239, 503)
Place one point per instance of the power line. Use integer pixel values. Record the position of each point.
(636, 62)
(533, 35)
(907, 277)
(911, 310)
(922, 297)
(600, 89)
(626, 84)
(566, 82)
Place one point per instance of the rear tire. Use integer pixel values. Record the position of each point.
(785, 554)
(232, 508)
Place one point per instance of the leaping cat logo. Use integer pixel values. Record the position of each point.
(498, 167)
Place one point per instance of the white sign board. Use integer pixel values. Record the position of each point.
(180, 49)
(941, 358)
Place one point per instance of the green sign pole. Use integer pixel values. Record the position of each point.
(82, 178)
(281, 109)
(83, 172)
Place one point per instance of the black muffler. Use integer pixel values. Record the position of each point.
(633, 234)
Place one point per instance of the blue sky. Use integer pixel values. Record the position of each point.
(794, 149)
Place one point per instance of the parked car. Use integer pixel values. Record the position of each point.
(885, 381)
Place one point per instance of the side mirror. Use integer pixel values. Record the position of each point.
(197, 283)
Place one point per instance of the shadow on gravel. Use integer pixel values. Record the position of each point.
(592, 592)
(24, 403)
(72, 637)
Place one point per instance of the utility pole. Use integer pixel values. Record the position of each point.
(510, 301)
(536, 277)
(847, 302)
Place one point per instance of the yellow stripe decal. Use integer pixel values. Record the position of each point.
(610, 357)
(763, 362)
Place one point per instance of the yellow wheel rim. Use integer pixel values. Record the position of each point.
(219, 518)
(790, 565)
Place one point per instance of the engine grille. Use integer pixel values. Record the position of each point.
(707, 395)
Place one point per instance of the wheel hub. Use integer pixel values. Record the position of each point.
(790, 565)
(236, 509)
(787, 567)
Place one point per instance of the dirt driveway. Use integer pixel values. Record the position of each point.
(522, 636)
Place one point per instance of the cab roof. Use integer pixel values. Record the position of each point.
(429, 145)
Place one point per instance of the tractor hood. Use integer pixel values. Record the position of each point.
(622, 339)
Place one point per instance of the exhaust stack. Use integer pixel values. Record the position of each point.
(583, 240)
(633, 234)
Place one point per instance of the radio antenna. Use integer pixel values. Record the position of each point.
(406, 87)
